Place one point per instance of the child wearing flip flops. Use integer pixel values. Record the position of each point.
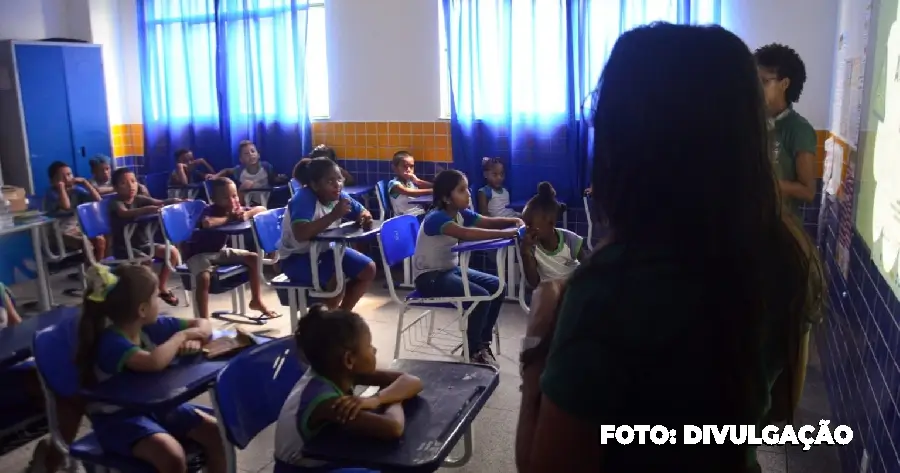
(207, 249)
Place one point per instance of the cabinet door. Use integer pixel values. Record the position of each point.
(87, 105)
(42, 81)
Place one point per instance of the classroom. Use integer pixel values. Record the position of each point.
(354, 236)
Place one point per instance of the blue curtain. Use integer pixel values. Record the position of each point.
(214, 72)
(521, 76)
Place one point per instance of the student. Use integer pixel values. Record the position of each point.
(252, 173)
(493, 199)
(323, 151)
(188, 170)
(124, 208)
(713, 275)
(548, 252)
(205, 250)
(121, 331)
(316, 208)
(405, 185)
(66, 193)
(783, 75)
(337, 346)
(101, 176)
(436, 269)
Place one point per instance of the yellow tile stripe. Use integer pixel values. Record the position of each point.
(128, 140)
(427, 141)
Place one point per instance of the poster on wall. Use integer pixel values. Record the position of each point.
(845, 221)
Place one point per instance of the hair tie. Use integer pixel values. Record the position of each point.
(100, 281)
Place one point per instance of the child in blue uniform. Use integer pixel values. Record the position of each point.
(320, 206)
(121, 330)
(337, 346)
(436, 269)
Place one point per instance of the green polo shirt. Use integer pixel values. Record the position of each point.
(632, 348)
(793, 135)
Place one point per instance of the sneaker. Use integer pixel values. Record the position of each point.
(483, 357)
(36, 465)
(489, 354)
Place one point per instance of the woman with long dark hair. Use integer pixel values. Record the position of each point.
(694, 304)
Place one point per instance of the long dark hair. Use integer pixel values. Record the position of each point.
(324, 336)
(443, 186)
(120, 303)
(682, 161)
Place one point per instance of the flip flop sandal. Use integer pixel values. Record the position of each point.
(268, 315)
(169, 298)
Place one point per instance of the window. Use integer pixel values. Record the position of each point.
(258, 45)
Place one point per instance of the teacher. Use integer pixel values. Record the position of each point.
(691, 309)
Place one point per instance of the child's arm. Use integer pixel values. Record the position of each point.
(383, 426)
(204, 163)
(498, 223)
(403, 190)
(104, 189)
(583, 253)
(179, 175)
(63, 202)
(224, 172)
(12, 316)
(129, 214)
(397, 386)
(86, 185)
(199, 328)
(161, 356)
(529, 263)
(213, 222)
(302, 224)
(474, 233)
(482, 201)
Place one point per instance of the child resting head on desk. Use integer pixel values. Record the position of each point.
(337, 346)
(318, 207)
(121, 330)
(548, 252)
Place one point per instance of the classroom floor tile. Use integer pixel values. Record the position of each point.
(494, 429)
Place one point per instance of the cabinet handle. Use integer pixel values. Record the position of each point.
(83, 155)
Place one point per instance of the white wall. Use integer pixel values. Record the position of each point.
(40, 19)
(808, 26)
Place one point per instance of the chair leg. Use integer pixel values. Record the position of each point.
(497, 337)
(187, 296)
(293, 304)
(399, 333)
(430, 325)
(463, 329)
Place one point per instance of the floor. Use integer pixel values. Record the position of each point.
(495, 426)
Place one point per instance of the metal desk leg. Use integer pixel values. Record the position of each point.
(237, 241)
(43, 282)
(511, 276)
(467, 451)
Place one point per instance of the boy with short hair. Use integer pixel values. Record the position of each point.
(783, 75)
(188, 170)
(207, 249)
(65, 194)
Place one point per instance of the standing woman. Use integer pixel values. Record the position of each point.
(693, 306)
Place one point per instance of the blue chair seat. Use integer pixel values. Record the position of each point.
(88, 450)
(223, 278)
(443, 305)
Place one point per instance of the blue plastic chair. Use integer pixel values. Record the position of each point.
(242, 409)
(267, 230)
(397, 242)
(294, 186)
(93, 217)
(384, 202)
(157, 184)
(54, 354)
(178, 223)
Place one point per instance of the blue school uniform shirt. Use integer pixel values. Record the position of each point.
(305, 206)
(433, 246)
(114, 350)
(292, 429)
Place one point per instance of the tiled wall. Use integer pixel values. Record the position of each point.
(128, 146)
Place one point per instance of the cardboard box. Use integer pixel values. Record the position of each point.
(16, 198)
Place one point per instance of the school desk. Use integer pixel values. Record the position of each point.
(33, 226)
(360, 191)
(15, 341)
(510, 276)
(443, 412)
(424, 200)
(189, 191)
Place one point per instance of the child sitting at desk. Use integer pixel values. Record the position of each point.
(66, 193)
(124, 208)
(548, 252)
(493, 199)
(337, 346)
(436, 268)
(101, 176)
(188, 170)
(207, 249)
(323, 151)
(405, 185)
(318, 207)
(252, 173)
(121, 330)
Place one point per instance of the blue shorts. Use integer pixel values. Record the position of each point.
(118, 433)
(298, 269)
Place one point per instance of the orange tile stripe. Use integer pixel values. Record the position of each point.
(427, 141)
(128, 140)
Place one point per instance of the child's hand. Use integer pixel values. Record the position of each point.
(341, 208)
(529, 239)
(198, 334)
(79, 180)
(519, 223)
(209, 176)
(190, 347)
(365, 220)
(240, 216)
(347, 407)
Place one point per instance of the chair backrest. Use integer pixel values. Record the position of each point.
(94, 218)
(180, 220)
(295, 186)
(251, 390)
(267, 229)
(398, 238)
(54, 356)
(384, 200)
(208, 191)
